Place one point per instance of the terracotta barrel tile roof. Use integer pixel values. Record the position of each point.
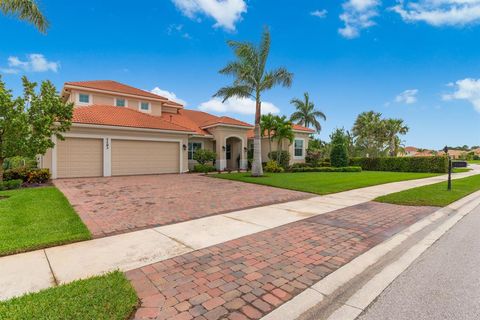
(123, 117)
(113, 86)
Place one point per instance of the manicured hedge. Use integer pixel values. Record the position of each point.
(326, 169)
(435, 164)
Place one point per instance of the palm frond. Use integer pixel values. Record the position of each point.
(279, 76)
(233, 91)
(319, 114)
(264, 51)
(26, 10)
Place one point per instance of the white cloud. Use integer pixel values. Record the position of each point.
(169, 95)
(35, 63)
(440, 12)
(407, 96)
(358, 15)
(226, 13)
(319, 13)
(467, 89)
(236, 105)
(178, 29)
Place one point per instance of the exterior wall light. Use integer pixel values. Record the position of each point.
(184, 147)
(223, 148)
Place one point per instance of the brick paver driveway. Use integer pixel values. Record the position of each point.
(122, 204)
(248, 277)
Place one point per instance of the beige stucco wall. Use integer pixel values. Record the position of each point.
(285, 146)
(107, 99)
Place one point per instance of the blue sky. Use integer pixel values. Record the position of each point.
(417, 60)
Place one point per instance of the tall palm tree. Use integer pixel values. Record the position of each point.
(251, 81)
(268, 122)
(283, 131)
(27, 10)
(394, 128)
(306, 114)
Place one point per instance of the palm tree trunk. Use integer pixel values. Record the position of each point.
(257, 170)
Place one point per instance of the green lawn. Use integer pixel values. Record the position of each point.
(325, 182)
(35, 218)
(474, 161)
(435, 194)
(107, 297)
(461, 170)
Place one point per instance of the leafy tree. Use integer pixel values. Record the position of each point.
(394, 128)
(26, 10)
(204, 156)
(267, 125)
(251, 81)
(369, 133)
(28, 123)
(339, 153)
(306, 114)
(283, 131)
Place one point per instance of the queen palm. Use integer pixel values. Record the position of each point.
(306, 114)
(268, 123)
(251, 81)
(27, 10)
(283, 131)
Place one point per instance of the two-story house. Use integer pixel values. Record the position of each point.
(121, 130)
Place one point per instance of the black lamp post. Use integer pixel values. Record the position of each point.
(449, 188)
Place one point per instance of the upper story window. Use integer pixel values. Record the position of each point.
(83, 98)
(298, 148)
(120, 102)
(192, 147)
(145, 106)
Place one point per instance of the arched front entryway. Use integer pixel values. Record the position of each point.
(233, 153)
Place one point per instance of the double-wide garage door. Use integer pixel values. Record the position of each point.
(82, 157)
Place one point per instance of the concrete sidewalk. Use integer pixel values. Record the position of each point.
(33, 271)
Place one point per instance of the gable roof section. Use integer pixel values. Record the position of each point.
(198, 121)
(113, 86)
(123, 117)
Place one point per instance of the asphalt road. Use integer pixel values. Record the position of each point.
(444, 283)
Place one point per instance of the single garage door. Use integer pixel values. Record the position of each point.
(78, 157)
(132, 157)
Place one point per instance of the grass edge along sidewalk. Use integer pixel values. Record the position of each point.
(110, 296)
(36, 218)
(325, 182)
(435, 195)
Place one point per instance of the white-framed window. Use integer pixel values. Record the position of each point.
(120, 102)
(84, 98)
(298, 148)
(144, 106)
(192, 147)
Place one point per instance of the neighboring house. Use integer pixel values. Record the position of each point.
(410, 152)
(121, 130)
(457, 154)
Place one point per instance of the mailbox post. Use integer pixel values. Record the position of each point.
(449, 187)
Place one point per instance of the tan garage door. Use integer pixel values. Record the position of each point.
(131, 157)
(78, 157)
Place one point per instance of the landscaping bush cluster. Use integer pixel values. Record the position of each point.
(281, 157)
(10, 184)
(27, 175)
(204, 168)
(435, 164)
(273, 166)
(326, 169)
